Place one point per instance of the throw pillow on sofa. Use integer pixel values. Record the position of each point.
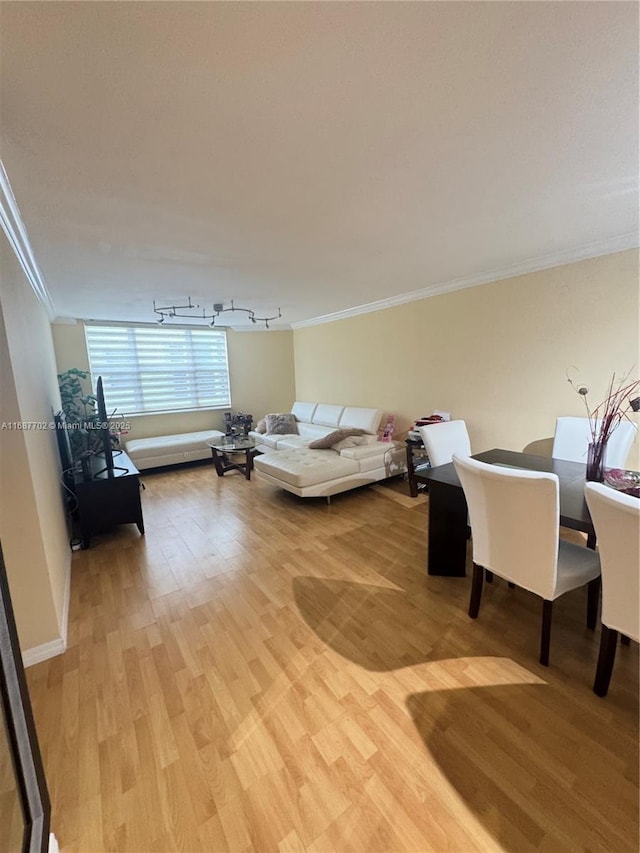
(281, 424)
(349, 441)
(261, 426)
(333, 438)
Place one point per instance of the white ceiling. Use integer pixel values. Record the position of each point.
(314, 156)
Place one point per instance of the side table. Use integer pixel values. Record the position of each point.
(232, 445)
(417, 461)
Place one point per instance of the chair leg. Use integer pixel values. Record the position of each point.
(476, 591)
(624, 640)
(488, 575)
(545, 637)
(608, 640)
(593, 597)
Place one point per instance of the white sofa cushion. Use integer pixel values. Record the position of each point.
(371, 464)
(303, 467)
(368, 451)
(357, 417)
(265, 443)
(270, 441)
(303, 411)
(327, 415)
(291, 442)
(311, 431)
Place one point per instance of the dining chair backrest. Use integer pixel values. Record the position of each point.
(573, 435)
(616, 518)
(515, 521)
(442, 440)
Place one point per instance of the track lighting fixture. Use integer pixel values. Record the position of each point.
(198, 313)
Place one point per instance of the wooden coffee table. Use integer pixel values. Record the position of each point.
(232, 446)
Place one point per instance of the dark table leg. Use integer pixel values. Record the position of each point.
(248, 468)
(447, 530)
(218, 462)
(223, 463)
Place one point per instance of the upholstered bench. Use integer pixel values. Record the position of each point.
(171, 449)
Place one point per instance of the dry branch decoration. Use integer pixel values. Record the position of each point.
(622, 398)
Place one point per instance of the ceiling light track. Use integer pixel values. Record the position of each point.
(195, 312)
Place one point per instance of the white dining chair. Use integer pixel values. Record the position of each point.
(442, 440)
(573, 435)
(616, 518)
(515, 518)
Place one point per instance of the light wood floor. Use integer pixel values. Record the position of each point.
(264, 673)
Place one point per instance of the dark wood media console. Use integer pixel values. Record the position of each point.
(104, 501)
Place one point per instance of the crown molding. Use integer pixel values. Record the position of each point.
(14, 228)
(611, 246)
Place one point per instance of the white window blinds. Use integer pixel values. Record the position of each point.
(149, 369)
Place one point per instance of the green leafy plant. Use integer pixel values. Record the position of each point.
(80, 411)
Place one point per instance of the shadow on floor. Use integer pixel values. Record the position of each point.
(510, 752)
(367, 624)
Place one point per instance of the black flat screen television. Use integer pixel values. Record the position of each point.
(105, 436)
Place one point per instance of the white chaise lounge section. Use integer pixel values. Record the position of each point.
(171, 449)
(289, 463)
(322, 473)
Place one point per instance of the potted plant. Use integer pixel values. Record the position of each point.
(81, 414)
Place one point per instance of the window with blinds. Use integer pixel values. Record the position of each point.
(152, 369)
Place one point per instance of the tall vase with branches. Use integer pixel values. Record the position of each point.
(622, 398)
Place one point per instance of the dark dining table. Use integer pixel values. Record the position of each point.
(447, 545)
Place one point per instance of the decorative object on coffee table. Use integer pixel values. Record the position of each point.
(237, 423)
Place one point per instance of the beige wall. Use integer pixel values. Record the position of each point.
(261, 374)
(494, 355)
(33, 528)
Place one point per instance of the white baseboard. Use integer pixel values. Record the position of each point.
(64, 619)
(54, 647)
(43, 652)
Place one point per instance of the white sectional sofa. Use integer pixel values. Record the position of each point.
(171, 449)
(289, 463)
